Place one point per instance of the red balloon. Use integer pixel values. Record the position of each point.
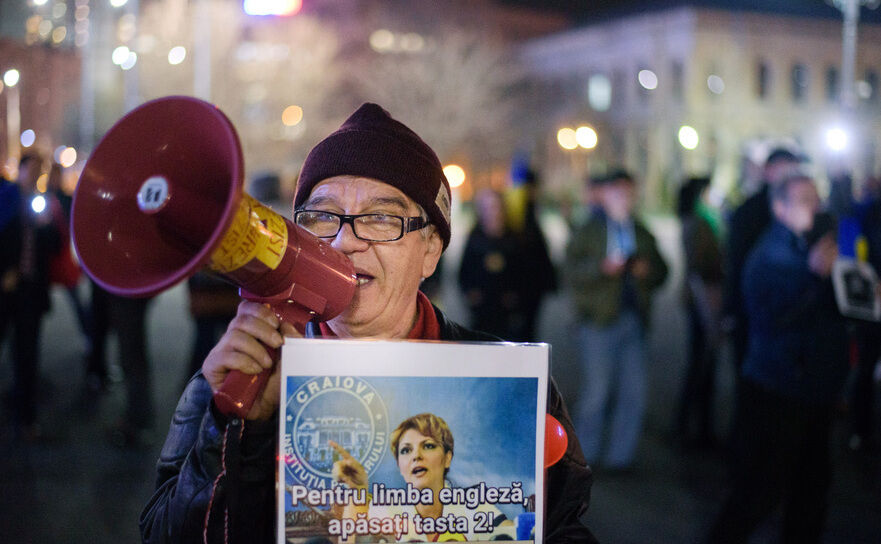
(556, 440)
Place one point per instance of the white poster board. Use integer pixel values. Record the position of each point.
(856, 289)
(492, 397)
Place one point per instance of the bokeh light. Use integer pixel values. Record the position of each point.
(836, 139)
(566, 138)
(129, 62)
(120, 55)
(292, 115)
(688, 137)
(648, 79)
(28, 138)
(67, 157)
(11, 77)
(586, 137)
(382, 40)
(412, 42)
(38, 204)
(45, 28)
(716, 84)
(59, 9)
(455, 175)
(272, 7)
(59, 34)
(177, 55)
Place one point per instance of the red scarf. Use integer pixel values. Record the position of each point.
(426, 327)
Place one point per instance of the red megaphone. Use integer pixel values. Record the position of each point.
(161, 197)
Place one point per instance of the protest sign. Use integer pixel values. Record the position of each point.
(466, 421)
(856, 289)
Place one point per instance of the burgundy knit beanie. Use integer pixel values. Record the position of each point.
(371, 144)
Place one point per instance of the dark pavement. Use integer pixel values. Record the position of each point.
(76, 486)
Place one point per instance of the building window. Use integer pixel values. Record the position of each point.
(599, 92)
(800, 82)
(619, 91)
(677, 84)
(763, 80)
(871, 87)
(833, 89)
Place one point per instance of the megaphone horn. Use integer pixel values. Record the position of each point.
(161, 198)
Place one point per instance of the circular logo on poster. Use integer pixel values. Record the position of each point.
(343, 409)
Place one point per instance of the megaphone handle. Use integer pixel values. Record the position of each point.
(239, 390)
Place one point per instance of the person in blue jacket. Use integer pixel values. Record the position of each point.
(792, 375)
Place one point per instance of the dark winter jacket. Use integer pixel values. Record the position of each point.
(797, 338)
(190, 463)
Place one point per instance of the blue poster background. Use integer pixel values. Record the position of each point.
(493, 422)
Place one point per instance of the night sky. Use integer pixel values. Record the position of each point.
(586, 11)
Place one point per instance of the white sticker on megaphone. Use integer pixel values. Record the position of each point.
(153, 194)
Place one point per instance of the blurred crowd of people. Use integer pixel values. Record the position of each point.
(758, 277)
(37, 254)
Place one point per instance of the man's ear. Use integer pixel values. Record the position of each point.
(434, 247)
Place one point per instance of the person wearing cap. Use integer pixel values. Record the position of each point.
(378, 194)
(613, 267)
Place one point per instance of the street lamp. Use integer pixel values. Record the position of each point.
(272, 7)
(11, 77)
(850, 9)
(13, 114)
(688, 137)
(566, 138)
(571, 139)
(836, 139)
(455, 175)
(586, 137)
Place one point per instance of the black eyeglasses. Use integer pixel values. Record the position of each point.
(372, 227)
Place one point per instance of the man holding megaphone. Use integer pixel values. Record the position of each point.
(377, 193)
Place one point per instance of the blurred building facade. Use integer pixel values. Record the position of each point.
(44, 100)
(481, 80)
(285, 81)
(738, 79)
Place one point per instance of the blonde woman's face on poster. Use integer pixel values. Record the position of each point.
(422, 460)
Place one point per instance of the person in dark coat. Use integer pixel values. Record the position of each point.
(791, 378)
(216, 476)
(54, 187)
(29, 239)
(868, 333)
(540, 268)
(500, 273)
(702, 292)
(747, 224)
